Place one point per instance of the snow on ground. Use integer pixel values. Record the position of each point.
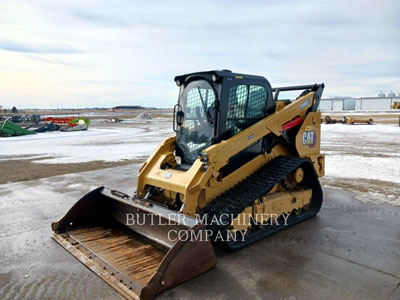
(357, 166)
(362, 151)
(108, 143)
(364, 158)
(360, 158)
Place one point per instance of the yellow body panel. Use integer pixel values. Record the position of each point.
(308, 141)
(202, 183)
(272, 206)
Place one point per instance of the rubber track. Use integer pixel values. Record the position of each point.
(235, 200)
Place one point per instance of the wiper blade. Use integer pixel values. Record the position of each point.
(207, 113)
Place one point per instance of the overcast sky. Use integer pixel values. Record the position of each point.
(86, 53)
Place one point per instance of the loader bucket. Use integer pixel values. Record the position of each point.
(133, 244)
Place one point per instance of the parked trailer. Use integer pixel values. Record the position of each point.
(347, 120)
(68, 121)
(353, 121)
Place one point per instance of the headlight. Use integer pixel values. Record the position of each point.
(178, 83)
(214, 78)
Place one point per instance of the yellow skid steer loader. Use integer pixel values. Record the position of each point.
(242, 165)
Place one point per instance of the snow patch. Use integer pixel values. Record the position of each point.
(95, 144)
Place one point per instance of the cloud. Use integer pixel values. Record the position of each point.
(96, 19)
(51, 60)
(371, 69)
(38, 47)
(131, 50)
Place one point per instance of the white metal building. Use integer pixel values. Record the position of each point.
(364, 103)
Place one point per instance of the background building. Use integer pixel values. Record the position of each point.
(382, 102)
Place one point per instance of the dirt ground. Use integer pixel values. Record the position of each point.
(22, 169)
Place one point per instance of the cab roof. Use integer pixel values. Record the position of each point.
(219, 73)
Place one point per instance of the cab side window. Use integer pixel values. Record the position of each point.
(246, 106)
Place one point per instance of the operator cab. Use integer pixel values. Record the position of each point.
(214, 106)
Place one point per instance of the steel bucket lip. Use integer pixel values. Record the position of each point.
(158, 282)
(129, 293)
(182, 261)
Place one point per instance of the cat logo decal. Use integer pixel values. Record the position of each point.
(309, 138)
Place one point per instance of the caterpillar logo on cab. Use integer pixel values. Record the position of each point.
(309, 138)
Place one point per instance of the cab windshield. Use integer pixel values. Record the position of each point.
(195, 133)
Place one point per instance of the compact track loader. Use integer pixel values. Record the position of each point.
(242, 165)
